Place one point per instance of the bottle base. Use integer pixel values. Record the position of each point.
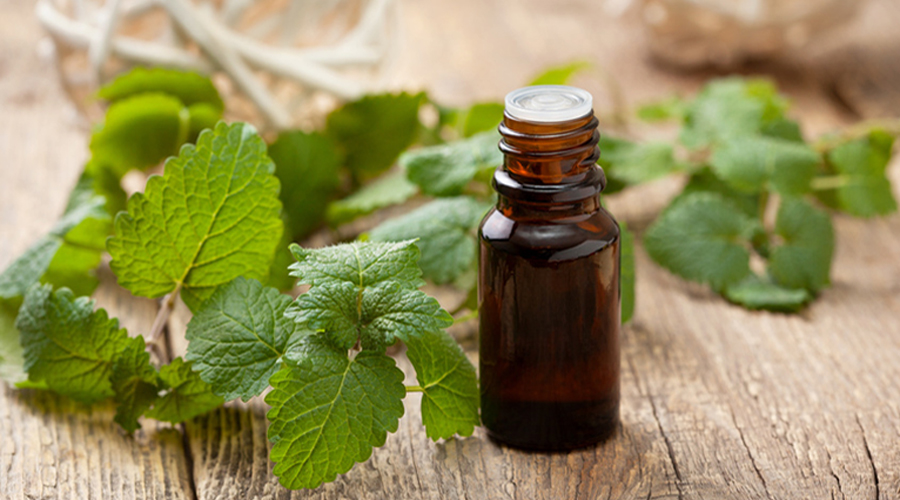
(550, 427)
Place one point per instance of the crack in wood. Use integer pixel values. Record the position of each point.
(669, 449)
(749, 454)
(871, 461)
(834, 475)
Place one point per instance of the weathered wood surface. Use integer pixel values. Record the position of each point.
(717, 402)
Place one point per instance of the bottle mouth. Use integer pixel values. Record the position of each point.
(548, 103)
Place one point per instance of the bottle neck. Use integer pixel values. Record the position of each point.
(550, 168)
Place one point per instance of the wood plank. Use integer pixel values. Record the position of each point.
(717, 402)
(52, 447)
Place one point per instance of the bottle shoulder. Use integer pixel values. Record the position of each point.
(553, 239)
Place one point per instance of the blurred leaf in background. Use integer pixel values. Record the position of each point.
(374, 130)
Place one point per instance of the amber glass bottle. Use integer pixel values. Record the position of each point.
(549, 280)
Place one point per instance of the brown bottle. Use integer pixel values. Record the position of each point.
(549, 280)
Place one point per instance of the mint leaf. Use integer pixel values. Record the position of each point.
(134, 382)
(279, 274)
(704, 180)
(867, 190)
(626, 277)
(445, 230)
(804, 259)
(753, 163)
(755, 293)
(329, 411)
(374, 130)
(101, 180)
(12, 360)
(482, 117)
(392, 189)
(450, 387)
(560, 75)
(190, 88)
(702, 238)
(366, 292)
(634, 163)
(237, 338)
(729, 108)
(307, 166)
(139, 132)
(783, 128)
(184, 395)
(67, 344)
(212, 217)
(446, 170)
(64, 257)
(667, 109)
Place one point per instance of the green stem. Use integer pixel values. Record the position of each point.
(763, 204)
(465, 317)
(857, 130)
(829, 182)
(415, 388)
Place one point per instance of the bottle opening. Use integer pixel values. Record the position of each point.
(548, 103)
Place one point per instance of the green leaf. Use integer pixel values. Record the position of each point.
(667, 109)
(450, 386)
(704, 180)
(635, 163)
(755, 293)
(867, 191)
(212, 217)
(560, 75)
(626, 278)
(237, 338)
(184, 396)
(804, 259)
(364, 291)
(374, 130)
(391, 189)
(190, 88)
(12, 360)
(98, 179)
(134, 382)
(753, 163)
(483, 117)
(445, 229)
(202, 116)
(447, 169)
(279, 274)
(67, 344)
(64, 257)
(308, 167)
(729, 108)
(140, 132)
(702, 238)
(329, 411)
(783, 128)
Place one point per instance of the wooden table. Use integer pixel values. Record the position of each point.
(717, 402)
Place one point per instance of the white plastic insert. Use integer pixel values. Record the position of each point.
(548, 103)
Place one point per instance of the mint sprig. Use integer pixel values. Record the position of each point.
(213, 216)
(238, 338)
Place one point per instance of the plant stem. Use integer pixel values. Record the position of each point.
(763, 204)
(829, 182)
(415, 388)
(162, 317)
(465, 317)
(857, 130)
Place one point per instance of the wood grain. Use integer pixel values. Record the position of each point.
(717, 402)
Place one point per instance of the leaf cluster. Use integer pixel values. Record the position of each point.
(746, 158)
(208, 230)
